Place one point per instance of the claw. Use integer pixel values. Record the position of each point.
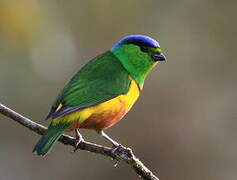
(116, 163)
(116, 148)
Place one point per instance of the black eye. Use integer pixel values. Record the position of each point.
(144, 49)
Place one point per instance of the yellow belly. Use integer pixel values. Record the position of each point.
(103, 115)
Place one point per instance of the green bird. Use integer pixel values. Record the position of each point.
(102, 91)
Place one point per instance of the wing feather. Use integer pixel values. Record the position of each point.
(102, 79)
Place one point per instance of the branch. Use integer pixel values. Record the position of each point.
(122, 153)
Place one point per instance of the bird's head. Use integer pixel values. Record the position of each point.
(138, 54)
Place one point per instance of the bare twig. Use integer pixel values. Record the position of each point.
(122, 153)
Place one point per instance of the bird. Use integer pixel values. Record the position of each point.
(102, 91)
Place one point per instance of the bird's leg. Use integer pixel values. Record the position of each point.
(79, 139)
(115, 144)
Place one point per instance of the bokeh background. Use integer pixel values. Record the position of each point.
(184, 125)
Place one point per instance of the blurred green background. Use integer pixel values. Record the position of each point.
(184, 125)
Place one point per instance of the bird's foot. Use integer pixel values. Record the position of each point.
(114, 151)
(116, 148)
(79, 139)
(77, 143)
(121, 152)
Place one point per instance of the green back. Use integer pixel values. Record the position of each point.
(103, 78)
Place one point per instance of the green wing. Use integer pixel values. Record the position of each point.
(103, 78)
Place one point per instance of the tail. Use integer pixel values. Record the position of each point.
(49, 138)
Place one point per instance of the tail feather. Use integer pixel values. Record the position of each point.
(49, 138)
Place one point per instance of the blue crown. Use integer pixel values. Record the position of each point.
(139, 40)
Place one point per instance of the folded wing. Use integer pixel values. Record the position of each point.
(103, 78)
